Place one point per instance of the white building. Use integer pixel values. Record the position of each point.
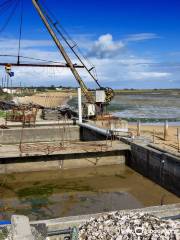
(10, 91)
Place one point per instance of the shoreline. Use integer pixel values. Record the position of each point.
(155, 133)
(171, 124)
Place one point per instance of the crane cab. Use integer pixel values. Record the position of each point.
(100, 96)
(91, 110)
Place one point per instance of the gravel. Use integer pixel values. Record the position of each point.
(119, 226)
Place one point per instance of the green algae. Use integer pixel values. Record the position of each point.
(35, 190)
(120, 176)
(73, 187)
(49, 189)
(6, 186)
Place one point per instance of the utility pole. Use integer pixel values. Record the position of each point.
(7, 79)
(80, 105)
(11, 85)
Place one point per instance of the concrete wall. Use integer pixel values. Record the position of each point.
(61, 161)
(162, 168)
(45, 134)
(39, 134)
(90, 135)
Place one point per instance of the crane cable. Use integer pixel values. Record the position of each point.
(10, 16)
(67, 42)
(20, 31)
(108, 91)
(5, 6)
(31, 58)
(57, 23)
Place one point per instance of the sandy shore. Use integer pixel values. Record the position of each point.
(171, 143)
(47, 99)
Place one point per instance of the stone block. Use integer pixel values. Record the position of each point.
(20, 228)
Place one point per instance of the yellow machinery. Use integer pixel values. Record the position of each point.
(95, 104)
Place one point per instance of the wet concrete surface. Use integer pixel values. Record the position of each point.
(45, 195)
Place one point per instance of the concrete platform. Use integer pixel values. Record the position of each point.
(73, 147)
(166, 211)
(52, 155)
(39, 123)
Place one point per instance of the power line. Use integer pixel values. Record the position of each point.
(4, 8)
(5, 3)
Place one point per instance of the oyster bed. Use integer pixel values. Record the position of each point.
(119, 226)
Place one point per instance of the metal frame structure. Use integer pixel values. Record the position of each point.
(40, 65)
(49, 24)
(95, 106)
(42, 15)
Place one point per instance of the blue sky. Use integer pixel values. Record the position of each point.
(132, 43)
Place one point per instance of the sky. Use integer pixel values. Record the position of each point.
(132, 43)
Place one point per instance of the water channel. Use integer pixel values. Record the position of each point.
(53, 194)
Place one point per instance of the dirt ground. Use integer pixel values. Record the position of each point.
(47, 99)
(171, 142)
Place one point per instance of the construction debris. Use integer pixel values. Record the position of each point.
(25, 114)
(45, 148)
(118, 226)
(58, 113)
(7, 105)
(2, 126)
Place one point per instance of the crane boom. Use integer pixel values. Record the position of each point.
(39, 65)
(87, 93)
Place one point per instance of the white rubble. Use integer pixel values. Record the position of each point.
(119, 226)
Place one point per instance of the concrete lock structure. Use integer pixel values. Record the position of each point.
(86, 145)
(88, 142)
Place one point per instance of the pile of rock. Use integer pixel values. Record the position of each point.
(119, 226)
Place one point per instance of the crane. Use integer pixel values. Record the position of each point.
(95, 104)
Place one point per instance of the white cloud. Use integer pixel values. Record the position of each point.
(150, 75)
(127, 69)
(106, 47)
(12, 44)
(113, 60)
(141, 37)
(39, 49)
(177, 53)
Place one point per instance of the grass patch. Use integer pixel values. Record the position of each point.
(2, 114)
(5, 96)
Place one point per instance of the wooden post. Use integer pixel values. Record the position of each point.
(178, 139)
(154, 136)
(139, 128)
(166, 127)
